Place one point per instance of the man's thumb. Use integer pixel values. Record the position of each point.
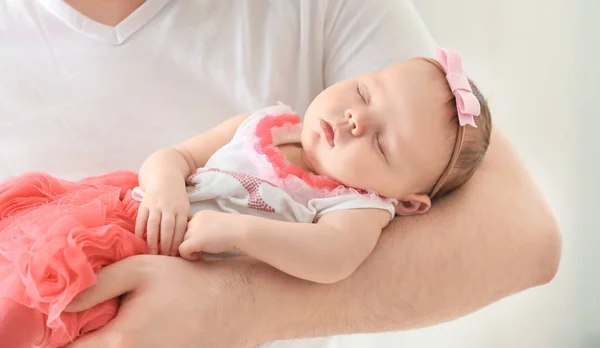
(111, 281)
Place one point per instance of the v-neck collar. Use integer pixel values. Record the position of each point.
(113, 35)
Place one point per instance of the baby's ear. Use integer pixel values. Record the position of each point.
(413, 204)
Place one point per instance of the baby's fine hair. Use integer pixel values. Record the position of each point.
(476, 140)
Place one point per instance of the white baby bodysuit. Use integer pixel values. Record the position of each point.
(247, 176)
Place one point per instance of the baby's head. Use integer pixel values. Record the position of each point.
(396, 131)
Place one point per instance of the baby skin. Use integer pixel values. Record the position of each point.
(392, 131)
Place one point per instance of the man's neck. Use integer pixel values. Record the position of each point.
(108, 12)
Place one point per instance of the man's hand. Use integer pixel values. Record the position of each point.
(170, 302)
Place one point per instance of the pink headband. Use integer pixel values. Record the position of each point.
(467, 106)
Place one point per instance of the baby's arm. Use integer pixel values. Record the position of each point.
(163, 213)
(182, 160)
(325, 252)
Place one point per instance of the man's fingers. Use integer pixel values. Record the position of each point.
(102, 338)
(112, 281)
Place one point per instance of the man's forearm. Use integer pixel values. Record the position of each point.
(494, 237)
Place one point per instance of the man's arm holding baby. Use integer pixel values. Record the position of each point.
(323, 252)
(493, 237)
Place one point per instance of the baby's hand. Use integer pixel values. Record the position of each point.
(163, 214)
(209, 231)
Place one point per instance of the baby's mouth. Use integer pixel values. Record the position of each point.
(328, 132)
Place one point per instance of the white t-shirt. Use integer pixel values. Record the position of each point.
(79, 98)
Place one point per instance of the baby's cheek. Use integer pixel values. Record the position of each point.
(354, 168)
(309, 140)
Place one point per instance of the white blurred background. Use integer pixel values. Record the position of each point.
(538, 63)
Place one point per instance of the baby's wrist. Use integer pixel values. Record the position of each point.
(240, 228)
(161, 181)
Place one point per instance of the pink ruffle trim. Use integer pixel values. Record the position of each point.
(54, 236)
(282, 168)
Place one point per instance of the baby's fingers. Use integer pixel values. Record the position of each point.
(167, 228)
(180, 228)
(153, 226)
(141, 221)
(190, 250)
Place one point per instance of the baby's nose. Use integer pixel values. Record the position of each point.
(355, 122)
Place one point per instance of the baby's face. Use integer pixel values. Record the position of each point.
(390, 131)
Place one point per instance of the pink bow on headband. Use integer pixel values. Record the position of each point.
(466, 103)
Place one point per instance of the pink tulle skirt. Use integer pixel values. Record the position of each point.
(54, 236)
